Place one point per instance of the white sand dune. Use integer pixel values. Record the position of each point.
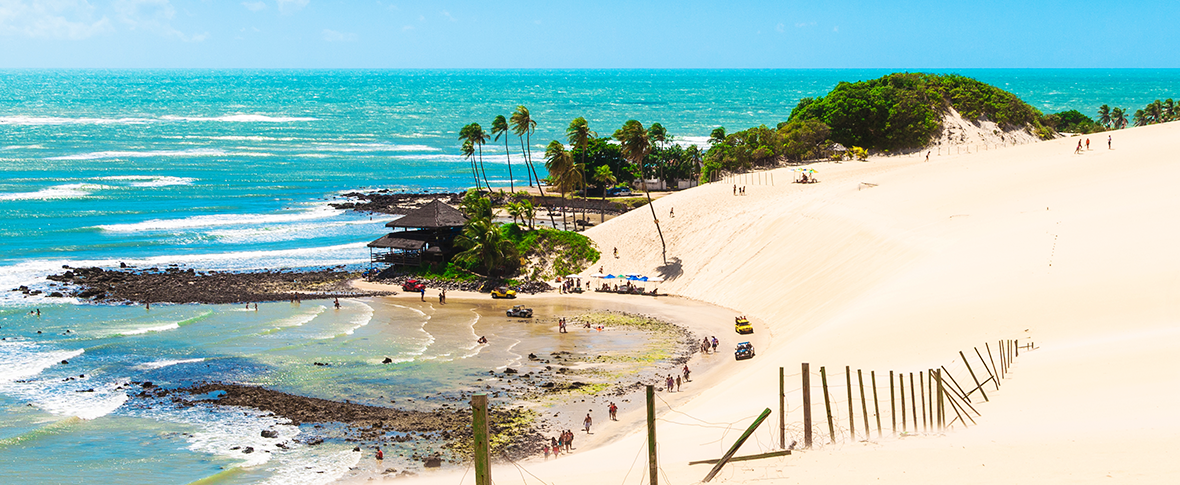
(1077, 252)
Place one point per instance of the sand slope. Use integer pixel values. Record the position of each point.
(1077, 252)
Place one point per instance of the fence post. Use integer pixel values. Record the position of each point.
(876, 407)
(961, 395)
(823, 377)
(652, 465)
(922, 395)
(851, 419)
(996, 381)
(941, 416)
(479, 433)
(782, 414)
(893, 404)
(806, 405)
(901, 382)
(864, 409)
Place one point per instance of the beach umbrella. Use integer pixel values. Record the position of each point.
(634, 274)
(655, 279)
(609, 277)
(643, 279)
(598, 275)
(632, 277)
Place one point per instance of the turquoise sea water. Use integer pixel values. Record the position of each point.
(234, 170)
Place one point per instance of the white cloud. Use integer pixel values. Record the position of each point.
(334, 36)
(447, 15)
(254, 6)
(51, 19)
(804, 24)
(291, 6)
(408, 27)
(152, 16)
(779, 27)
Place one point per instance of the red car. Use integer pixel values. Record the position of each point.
(413, 286)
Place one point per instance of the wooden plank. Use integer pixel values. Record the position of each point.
(744, 458)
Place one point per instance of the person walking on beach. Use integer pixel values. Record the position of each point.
(705, 345)
(569, 440)
(545, 449)
(714, 345)
(1109, 138)
(335, 302)
(616, 253)
(613, 411)
(668, 383)
(442, 296)
(587, 422)
(561, 325)
(686, 373)
(927, 156)
(677, 383)
(672, 212)
(557, 443)
(734, 189)
(1087, 144)
(1078, 149)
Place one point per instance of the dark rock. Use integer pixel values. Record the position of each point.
(387, 361)
(510, 371)
(147, 385)
(64, 362)
(433, 462)
(249, 449)
(270, 433)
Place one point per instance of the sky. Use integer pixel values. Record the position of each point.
(588, 34)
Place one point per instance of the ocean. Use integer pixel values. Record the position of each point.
(234, 170)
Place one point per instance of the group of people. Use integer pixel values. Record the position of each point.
(563, 442)
(561, 325)
(707, 344)
(739, 190)
(572, 285)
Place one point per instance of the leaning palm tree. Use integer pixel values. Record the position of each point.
(606, 178)
(469, 154)
(475, 134)
(500, 127)
(579, 135)
(1155, 112)
(1104, 115)
(1169, 110)
(635, 146)
(559, 161)
(1118, 118)
(527, 212)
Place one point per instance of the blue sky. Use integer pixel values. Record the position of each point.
(588, 34)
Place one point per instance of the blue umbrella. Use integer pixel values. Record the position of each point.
(609, 277)
(643, 279)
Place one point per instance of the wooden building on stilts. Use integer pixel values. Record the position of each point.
(422, 236)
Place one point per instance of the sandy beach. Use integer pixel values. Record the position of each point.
(898, 264)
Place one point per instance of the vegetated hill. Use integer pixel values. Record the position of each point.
(907, 110)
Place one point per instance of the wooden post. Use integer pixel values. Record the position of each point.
(913, 402)
(901, 382)
(652, 466)
(953, 381)
(995, 381)
(733, 449)
(930, 386)
(922, 395)
(956, 406)
(893, 404)
(851, 418)
(1002, 349)
(941, 415)
(961, 395)
(806, 405)
(992, 377)
(782, 424)
(864, 409)
(1017, 345)
(479, 433)
(823, 377)
(876, 407)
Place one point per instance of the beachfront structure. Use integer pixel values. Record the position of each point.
(425, 235)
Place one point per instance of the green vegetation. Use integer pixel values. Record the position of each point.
(904, 110)
(569, 252)
(1072, 121)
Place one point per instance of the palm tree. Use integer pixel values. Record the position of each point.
(579, 135)
(523, 126)
(1155, 112)
(606, 178)
(1169, 110)
(527, 211)
(475, 134)
(1104, 115)
(513, 209)
(469, 153)
(484, 246)
(658, 136)
(559, 161)
(635, 145)
(717, 136)
(1118, 117)
(1141, 118)
(500, 127)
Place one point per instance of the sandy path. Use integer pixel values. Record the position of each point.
(1034, 242)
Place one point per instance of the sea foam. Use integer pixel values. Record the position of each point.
(66, 191)
(216, 220)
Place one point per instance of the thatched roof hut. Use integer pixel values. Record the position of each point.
(435, 215)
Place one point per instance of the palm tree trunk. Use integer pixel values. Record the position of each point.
(663, 245)
(481, 169)
(511, 187)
